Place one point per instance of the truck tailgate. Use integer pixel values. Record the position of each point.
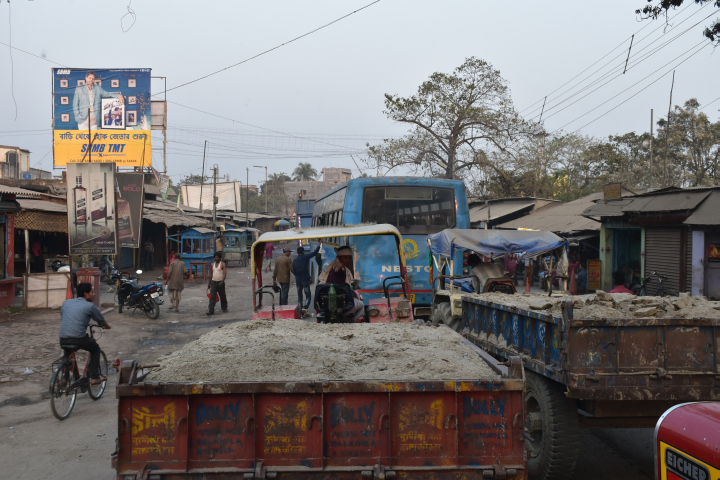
(335, 429)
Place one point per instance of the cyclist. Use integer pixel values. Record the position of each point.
(75, 317)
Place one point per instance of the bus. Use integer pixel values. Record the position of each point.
(415, 206)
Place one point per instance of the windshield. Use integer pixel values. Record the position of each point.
(413, 210)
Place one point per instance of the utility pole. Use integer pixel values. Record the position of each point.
(247, 198)
(258, 166)
(202, 178)
(651, 151)
(215, 178)
(667, 129)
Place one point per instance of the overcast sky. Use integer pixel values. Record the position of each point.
(326, 89)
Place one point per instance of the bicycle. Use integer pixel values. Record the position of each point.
(66, 380)
(641, 289)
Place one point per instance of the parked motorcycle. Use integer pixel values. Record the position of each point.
(130, 294)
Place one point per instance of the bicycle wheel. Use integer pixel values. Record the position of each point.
(62, 397)
(96, 391)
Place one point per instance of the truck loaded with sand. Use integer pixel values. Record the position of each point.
(288, 398)
(602, 360)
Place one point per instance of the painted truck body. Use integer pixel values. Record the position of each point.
(606, 372)
(439, 429)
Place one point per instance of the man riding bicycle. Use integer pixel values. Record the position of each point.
(75, 317)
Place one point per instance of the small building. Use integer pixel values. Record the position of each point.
(8, 209)
(673, 231)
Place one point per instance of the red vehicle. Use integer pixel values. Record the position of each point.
(441, 429)
(687, 442)
(394, 306)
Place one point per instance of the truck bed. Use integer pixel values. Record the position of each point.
(635, 359)
(444, 428)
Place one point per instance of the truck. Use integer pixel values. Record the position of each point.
(441, 428)
(594, 373)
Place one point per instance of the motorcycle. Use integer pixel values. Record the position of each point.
(131, 294)
(58, 266)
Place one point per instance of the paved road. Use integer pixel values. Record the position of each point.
(33, 444)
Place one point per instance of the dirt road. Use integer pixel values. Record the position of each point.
(33, 444)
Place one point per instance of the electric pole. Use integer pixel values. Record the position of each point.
(651, 152)
(202, 178)
(215, 178)
(258, 166)
(247, 197)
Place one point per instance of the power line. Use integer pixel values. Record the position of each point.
(269, 50)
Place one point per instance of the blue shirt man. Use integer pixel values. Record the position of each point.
(301, 267)
(581, 279)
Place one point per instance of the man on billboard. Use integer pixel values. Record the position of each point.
(89, 96)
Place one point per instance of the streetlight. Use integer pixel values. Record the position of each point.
(258, 166)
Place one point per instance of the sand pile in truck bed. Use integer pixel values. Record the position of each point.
(296, 350)
(612, 305)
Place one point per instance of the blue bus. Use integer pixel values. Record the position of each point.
(415, 206)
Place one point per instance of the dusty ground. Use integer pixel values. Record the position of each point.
(34, 445)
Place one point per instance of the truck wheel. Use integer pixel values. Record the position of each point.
(441, 313)
(552, 427)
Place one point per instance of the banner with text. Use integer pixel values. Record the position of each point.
(91, 208)
(129, 208)
(101, 115)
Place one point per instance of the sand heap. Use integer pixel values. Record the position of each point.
(296, 350)
(613, 305)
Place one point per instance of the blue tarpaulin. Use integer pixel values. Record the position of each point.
(494, 242)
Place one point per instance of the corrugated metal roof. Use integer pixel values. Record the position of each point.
(18, 191)
(499, 209)
(666, 202)
(607, 208)
(42, 205)
(707, 213)
(565, 218)
(172, 219)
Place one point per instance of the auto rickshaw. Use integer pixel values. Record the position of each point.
(448, 289)
(235, 245)
(393, 306)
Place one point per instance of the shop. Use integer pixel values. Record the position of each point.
(8, 280)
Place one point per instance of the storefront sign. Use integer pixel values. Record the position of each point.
(129, 208)
(91, 208)
(109, 122)
(593, 274)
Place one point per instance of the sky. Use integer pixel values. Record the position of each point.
(320, 98)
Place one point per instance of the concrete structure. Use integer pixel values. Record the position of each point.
(332, 177)
(15, 164)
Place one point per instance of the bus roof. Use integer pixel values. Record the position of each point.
(399, 180)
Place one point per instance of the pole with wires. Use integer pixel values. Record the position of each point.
(202, 176)
(667, 128)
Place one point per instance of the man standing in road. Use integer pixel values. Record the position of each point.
(283, 267)
(89, 97)
(301, 268)
(75, 316)
(268, 255)
(177, 271)
(216, 284)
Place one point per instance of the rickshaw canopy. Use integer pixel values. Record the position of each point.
(322, 234)
(494, 242)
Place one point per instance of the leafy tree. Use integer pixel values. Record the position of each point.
(663, 6)
(304, 172)
(193, 180)
(458, 121)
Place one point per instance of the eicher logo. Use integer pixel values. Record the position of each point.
(685, 468)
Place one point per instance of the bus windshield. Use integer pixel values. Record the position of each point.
(413, 210)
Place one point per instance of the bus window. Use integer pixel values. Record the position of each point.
(413, 210)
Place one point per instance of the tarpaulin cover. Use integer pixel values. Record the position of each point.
(494, 242)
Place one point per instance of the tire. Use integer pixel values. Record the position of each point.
(552, 423)
(441, 313)
(95, 392)
(62, 400)
(152, 309)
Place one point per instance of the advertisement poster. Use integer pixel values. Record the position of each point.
(228, 194)
(129, 208)
(91, 208)
(101, 115)
(593, 274)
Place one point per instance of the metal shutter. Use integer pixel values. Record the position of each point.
(663, 248)
(688, 261)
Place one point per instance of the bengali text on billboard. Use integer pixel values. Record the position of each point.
(101, 115)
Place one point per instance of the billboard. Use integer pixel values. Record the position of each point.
(129, 208)
(228, 194)
(101, 115)
(91, 208)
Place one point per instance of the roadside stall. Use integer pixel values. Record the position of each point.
(197, 247)
(235, 244)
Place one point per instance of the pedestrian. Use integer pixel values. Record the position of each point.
(281, 274)
(301, 268)
(216, 284)
(219, 243)
(38, 260)
(268, 255)
(177, 272)
(149, 256)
